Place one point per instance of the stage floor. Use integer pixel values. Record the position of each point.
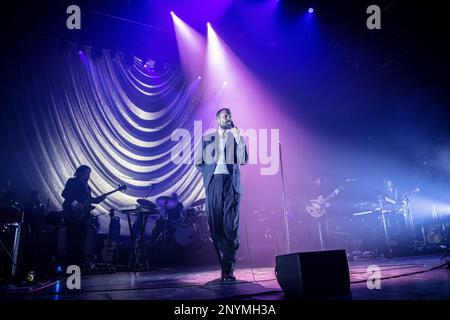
(419, 277)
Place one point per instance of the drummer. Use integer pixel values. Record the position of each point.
(174, 211)
(170, 219)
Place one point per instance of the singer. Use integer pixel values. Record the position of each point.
(222, 153)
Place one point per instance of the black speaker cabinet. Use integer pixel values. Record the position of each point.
(313, 273)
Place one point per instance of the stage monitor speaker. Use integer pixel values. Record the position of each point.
(313, 273)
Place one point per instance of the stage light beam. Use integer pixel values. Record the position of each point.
(191, 46)
(217, 64)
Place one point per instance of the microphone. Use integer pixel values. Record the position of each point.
(230, 124)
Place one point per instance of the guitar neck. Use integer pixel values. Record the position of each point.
(331, 195)
(109, 193)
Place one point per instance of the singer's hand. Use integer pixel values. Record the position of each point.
(236, 133)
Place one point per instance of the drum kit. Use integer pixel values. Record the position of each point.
(165, 228)
(197, 217)
(193, 225)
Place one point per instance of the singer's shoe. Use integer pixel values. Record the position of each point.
(228, 277)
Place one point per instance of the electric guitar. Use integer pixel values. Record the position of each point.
(82, 210)
(318, 207)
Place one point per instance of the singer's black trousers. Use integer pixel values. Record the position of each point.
(222, 206)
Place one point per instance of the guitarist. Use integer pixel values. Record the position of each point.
(76, 209)
(317, 208)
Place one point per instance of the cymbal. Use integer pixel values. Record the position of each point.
(127, 208)
(166, 202)
(198, 202)
(138, 210)
(146, 203)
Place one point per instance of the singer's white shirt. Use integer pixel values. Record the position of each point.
(221, 167)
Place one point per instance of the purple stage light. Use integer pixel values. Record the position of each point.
(311, 10)
(191, 46)
(217, 62)
(150, 64)
(199, 77)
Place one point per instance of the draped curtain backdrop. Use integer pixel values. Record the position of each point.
(110, 113)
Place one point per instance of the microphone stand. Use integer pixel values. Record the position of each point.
(152, 186)
(283, 194)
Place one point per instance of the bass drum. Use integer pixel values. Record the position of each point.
(184, 234)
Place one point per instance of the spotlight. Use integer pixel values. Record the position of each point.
(225, 83)
(208, 25)
(172, 13)
(311, 10)
(150, 64)
(199, 77)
